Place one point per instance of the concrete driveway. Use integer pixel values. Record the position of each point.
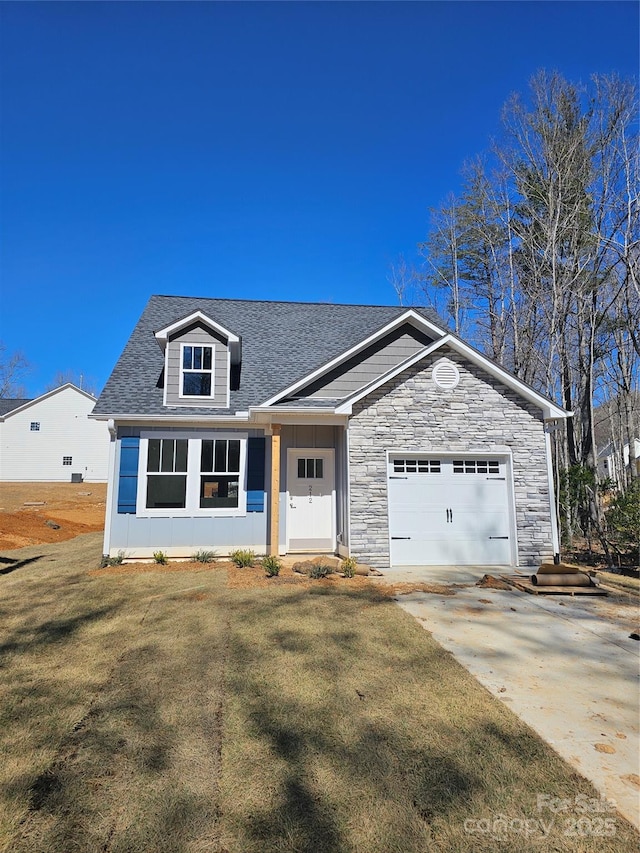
(565, 665)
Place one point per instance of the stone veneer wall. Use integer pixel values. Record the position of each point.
(480, 415)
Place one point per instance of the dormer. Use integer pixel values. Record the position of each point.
(201, 362)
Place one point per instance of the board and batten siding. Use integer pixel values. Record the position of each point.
(182, 536)
(198, 335)
(65, 430)
(368, 365)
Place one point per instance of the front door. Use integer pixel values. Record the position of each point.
(310, 500)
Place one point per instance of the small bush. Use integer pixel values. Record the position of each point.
(320, 571)
(271, 566)
(204, 556)
(348, 566)
(160, 557)
(243, 558)
(112, 561)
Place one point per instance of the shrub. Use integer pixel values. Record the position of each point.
(112, 561)
(271, 566)
(320, 571)
(243, 558)
(348, 566)
(204, 556)
(623, 520)
(160, 557)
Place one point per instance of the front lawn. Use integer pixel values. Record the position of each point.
(165, 711)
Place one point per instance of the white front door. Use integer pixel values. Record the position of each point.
(447, 511)
(310, 500)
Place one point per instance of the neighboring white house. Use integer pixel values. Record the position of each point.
(609, 464)
(52, 438)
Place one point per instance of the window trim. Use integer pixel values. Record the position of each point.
(192, 507)
(212, 372)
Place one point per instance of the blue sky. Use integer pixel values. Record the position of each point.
(246, 150)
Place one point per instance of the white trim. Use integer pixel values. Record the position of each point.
(42, 397)
(193, 473)
(113, 484)
(550, 409)
(555, 536)
(162, 336)
(409, 316)
(178, 420)
(165, 389)
(348, 454)
(211, 371)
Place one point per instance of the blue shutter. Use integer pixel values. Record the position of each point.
(128, 480)
(255, 474)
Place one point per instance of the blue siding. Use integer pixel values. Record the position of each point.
(255, 474)
(128, 479)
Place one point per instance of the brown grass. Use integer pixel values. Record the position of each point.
(168, 711)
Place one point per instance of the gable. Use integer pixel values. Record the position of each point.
(449, 344)
(367, 365)
(196, 335)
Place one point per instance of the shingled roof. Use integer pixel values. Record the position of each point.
(281, 343)
(10, 404)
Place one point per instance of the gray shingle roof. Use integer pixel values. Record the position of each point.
(281, 343)
(8, 405)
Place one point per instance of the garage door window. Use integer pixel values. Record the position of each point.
(476, 466)
(416, 466)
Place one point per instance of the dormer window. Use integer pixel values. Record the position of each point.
(197, 371)
(201, 363)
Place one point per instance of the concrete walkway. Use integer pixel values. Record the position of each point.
(565, 665)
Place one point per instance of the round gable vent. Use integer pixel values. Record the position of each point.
(445, 374)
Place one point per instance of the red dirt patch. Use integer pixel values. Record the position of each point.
(76, 507)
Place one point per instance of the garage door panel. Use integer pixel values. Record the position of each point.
(447, 512)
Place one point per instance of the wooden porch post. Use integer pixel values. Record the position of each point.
(274, 534)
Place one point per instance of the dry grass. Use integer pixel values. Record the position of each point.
(165, 711)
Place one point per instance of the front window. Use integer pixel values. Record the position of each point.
(197, 371)
(219, 473)
(192, 474)
(35, 427)
(67, 460)
(167, 473)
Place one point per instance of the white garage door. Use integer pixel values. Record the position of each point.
(446, 511)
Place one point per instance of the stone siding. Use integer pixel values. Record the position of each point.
(480, 415)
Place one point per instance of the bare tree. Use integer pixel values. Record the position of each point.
(14, 367)
(80, 380)
(540, 258)
(402, 277)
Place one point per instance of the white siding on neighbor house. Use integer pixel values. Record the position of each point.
(65, 430)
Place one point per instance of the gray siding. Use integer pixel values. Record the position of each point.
(411, 412)
(369, 364)
(197, 334)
